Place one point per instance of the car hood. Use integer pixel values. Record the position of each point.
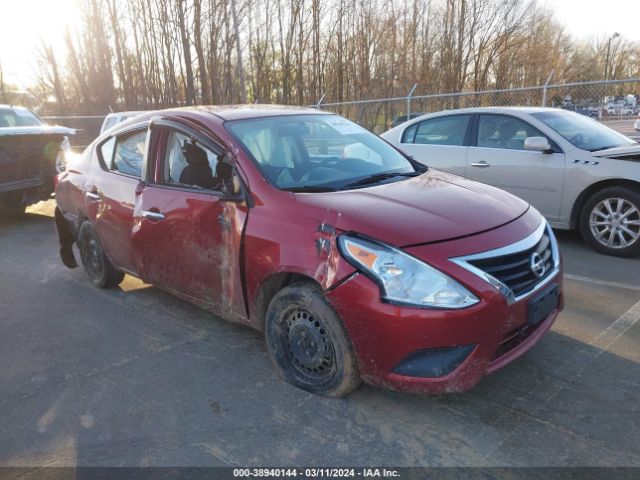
(432, 207)
(619, 152)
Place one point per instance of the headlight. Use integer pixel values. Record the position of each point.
(403, 278)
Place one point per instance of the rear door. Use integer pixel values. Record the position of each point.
(110, 192)
(186, 237)
(440, 142)
(498, 158)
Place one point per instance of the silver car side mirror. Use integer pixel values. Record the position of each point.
(537, 144)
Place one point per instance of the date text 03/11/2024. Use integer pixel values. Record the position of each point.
(315, 473)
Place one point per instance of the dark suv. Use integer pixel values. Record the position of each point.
(31, 153)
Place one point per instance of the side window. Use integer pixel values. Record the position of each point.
(409, 134)
(449, 130)
(501, 131)
(129, 152)
(190, 164)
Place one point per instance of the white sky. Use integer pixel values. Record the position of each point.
(590, 18)
(24, 22)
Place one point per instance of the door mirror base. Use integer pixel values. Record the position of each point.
(537, 144)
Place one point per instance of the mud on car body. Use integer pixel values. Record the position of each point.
(31, 154)
(370, 268)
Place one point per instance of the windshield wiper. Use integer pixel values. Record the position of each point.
(309, 189)
(379, 177)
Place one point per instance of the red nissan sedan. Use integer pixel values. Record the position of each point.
(357, 262)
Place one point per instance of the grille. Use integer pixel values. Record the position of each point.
(514, 270)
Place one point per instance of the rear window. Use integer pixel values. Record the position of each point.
(18, 117)
(124, 154)
(448, 130)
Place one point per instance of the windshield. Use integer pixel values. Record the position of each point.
(18, 117)
(314, 152)
(582, 131)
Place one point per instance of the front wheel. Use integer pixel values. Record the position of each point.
(610, 221)
(94, 260)
(308, 342)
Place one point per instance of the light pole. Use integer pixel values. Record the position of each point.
(606, 72)
(606, 63)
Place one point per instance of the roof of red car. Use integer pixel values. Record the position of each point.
(237, 112)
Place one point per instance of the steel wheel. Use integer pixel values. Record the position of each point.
(309, 347)
(308, 343)
(615, 223)
(101, 273)
(91, 254)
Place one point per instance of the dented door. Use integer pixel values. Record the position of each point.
(189, 243)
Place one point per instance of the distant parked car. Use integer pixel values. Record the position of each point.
(117, 117)
(31, 154)
(576, 171)
(589, 112)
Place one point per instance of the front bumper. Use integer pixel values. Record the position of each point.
(387, 338)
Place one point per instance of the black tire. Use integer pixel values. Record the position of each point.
(605, 228)
(95, 262)
(308, 343)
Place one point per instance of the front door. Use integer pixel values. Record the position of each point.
(186, 238)
(499, 159)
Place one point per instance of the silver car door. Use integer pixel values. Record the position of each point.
(499, 159)
(439, 142)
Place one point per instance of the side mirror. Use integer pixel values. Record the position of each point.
(229, 181)
(537, 144)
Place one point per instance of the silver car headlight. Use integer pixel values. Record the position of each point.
(402, 278)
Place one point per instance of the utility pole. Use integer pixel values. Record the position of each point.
(606, 71)
(240, 70)
(606, 63)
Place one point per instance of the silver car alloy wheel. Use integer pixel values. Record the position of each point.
(615, 223)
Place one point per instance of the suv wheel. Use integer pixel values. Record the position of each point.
(308, 342)
(610, 221)
(100, 270)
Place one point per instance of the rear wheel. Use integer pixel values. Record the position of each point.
(308, 342)
(100, 270)
(610, 221)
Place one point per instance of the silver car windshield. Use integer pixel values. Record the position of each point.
(18, 117)
(319, 152)
(582, 131)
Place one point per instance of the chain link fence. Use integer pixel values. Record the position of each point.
(601, 100)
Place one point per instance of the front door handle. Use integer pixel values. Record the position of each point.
(151, 215)
(481, 164)
(92, 195)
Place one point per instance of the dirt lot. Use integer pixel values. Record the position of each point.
(134, 377)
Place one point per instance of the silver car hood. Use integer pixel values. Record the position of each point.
(37, 130)
(619, 152)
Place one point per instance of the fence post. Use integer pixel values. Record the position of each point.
(320, 101)
(545, 88)
(413, 89)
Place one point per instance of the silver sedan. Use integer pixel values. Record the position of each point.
(576, 171)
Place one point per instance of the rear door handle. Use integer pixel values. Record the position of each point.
(92, 195)
(151, 215)
(481, 164)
